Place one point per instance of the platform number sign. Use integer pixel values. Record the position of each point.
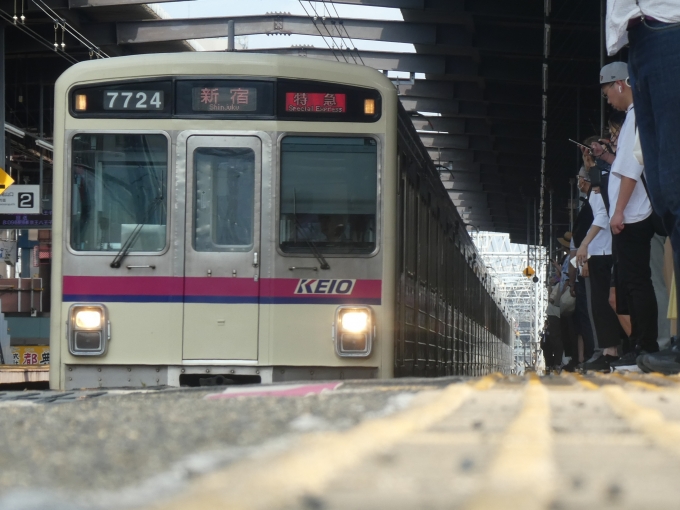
(26, 200)
(21, 199)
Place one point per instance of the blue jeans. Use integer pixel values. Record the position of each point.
(654, 67)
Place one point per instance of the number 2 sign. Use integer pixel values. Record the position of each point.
(21, 199)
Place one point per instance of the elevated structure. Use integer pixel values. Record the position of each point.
(524, 298)
(475, 90)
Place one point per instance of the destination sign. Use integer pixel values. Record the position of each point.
(316, 102)
(136, 100)
(224, 99)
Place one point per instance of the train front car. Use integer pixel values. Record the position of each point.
(222, 217)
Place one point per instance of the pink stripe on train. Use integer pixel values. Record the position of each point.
(204, 286)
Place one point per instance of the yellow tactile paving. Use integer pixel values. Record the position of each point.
(589, 385)
(307, 469)
(487, 382)
(523, 474)
(650, 422)
(643, 385)
(521, 470)
(663, 378)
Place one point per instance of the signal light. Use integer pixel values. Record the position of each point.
(81, 102)
(369, 106)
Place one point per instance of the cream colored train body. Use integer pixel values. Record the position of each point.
(238, 218)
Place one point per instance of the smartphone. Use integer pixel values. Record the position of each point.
(582, 145)
(575, 263)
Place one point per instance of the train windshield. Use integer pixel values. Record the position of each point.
(119, 187)
(328, 194)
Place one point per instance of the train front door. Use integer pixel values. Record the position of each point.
(222, 240)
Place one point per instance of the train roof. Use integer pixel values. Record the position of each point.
(227, 63)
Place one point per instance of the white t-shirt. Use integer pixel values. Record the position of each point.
(602, 242)
(625, 165)
(619, 12)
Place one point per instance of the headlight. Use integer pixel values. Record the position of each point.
(88, 329)
(354, 331)
(355, 322)
(88, 319)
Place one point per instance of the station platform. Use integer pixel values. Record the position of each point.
(555, 442)
(18, 374)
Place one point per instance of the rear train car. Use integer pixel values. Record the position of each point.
(247, 218)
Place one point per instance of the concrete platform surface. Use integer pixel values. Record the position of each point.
(557, 442)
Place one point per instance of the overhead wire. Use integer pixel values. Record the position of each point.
(354, 46)
(318, 30)
(37, 37)
(337, 29)
(323, 22)
(327, 14)
(65, 26)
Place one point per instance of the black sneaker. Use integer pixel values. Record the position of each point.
(642, 363)
(628, 362)
(601, 364)
(667, 361)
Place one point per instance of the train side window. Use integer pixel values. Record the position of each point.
(119, 188)
(224, 199)
(328, 195)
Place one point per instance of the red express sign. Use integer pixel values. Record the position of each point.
(316, 102)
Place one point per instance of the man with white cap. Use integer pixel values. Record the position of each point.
(630, 211)
(652, 28)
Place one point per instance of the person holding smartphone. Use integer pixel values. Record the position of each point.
(632, 229)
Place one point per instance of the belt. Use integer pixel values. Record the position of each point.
(633, 22)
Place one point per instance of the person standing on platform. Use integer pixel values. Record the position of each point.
(652, 28)
(631, 224)
(604, 152)
(595, 255)
(587, 336)
(552, 340)
(567, 299)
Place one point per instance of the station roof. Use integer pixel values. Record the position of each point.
(475, 93)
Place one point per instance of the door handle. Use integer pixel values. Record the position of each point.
(255, 263)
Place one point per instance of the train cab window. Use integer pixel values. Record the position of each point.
(328, 195)
(119, 192)
(224, 200)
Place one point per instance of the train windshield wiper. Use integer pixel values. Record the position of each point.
(312, 246)
(317, 254)
(127, 245)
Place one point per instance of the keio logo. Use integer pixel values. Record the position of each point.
(334, 287)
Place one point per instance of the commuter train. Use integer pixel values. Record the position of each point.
(243, 218)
